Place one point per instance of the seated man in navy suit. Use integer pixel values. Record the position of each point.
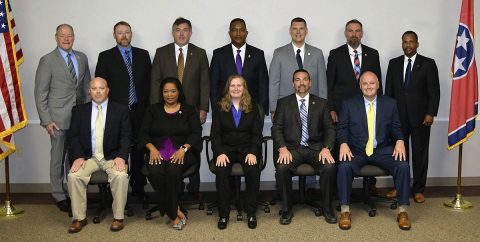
(99, 138)
(369, 132)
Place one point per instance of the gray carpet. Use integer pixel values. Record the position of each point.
(430, 222)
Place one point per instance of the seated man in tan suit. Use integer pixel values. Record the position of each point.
(91, 150)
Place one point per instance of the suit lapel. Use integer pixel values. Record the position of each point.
(81, 66)
(378, 113)
(361, 108)
(294, 106)
(247, 59)
(61, 62)
(190, 59)
(119, 59)
(311, 108)
(348, 63)
(292, 55)
(87, 123)
(108, 120)
(415, 68)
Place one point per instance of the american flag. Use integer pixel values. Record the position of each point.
(464, 98)
(12, 111)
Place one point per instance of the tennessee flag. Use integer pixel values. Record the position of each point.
(464, 99)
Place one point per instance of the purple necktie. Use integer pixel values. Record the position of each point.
(238, 62)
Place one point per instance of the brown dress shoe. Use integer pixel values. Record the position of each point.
(77, 225)
(419, 198)
(391, 194)
(117, 225)
(403, 221)
(345, 222)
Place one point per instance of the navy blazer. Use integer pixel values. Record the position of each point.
(352, 126)
(117, 132)
(254, 71)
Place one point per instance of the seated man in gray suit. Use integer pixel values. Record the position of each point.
(61, 82)
(293, 56)
(99, 138)
(304, 132)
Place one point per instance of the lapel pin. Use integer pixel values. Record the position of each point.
(191, 53)
(249, 56)
(308, 53)
(313, 102)
(365, 54)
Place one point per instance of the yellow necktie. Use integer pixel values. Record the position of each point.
(371, 127)
(99, 134)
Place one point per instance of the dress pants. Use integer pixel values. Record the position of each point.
(78, 181)
(137, 156)
(252, 182)
(166, 179)
(420, 136)
(400, 170)
(59, 167)
(325, 171)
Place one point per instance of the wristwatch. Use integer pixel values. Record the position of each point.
(184, 148)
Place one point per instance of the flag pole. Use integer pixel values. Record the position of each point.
(8, 210)
(458, 203)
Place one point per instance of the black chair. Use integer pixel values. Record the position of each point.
(237, 174)
(189, 172)
(367, 173)
(302, 172)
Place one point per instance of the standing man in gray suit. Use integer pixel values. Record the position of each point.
(188, 63)
(291, 57)
(61, 82)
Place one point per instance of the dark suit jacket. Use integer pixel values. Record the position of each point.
(112, 68)
(247, 138)
(254, 71)
(341, 77)
(117, 132)
(352, 126)
(196, 81)
(287, 126)
(423, 91)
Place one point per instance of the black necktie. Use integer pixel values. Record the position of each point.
(408, 74)
(299, 60)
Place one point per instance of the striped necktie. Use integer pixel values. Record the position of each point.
(356, 63)
(299, 59)
(132, 94)
(71, 68)
(303, 118)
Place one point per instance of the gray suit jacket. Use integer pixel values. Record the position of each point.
(56, 92)
(284, 64)
(196, 79)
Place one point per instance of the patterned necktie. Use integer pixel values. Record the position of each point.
(356, 68)
(181, 65)
(238, 63)
(71, 68)
(371, 129)
(99, 134)
(132, 94)
(408, 74)
(299, 59)
(303, 117)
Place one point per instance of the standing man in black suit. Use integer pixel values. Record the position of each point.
(127, 71)
(240, 58)
(345, 66)
(369, 132)
(189, 64)
(304, 131)
(99, 138)
(412, 80)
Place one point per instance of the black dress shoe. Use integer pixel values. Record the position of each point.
(64, 205)
(286, 217)
(330, 216)
(222, 223)
(252, 222)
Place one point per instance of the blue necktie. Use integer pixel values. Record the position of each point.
(132, 95)
(71, 68)
(303, 118)
(238, 63)
(299, 60)
(408, 74)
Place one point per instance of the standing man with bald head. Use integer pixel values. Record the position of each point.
(127, 71)
(61, 82)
